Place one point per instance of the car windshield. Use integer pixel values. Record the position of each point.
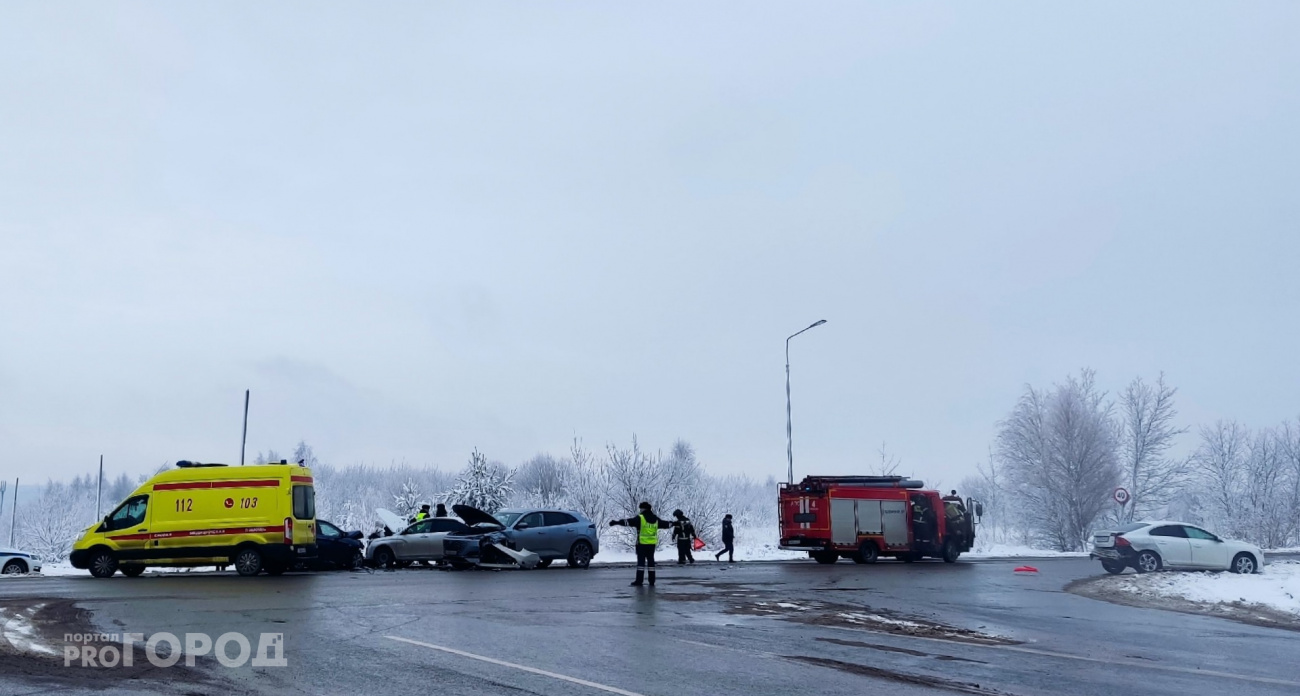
(508, 518)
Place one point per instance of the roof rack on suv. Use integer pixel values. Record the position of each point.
(186, 464)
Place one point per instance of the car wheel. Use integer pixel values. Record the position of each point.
(1244, 564)
(544, 563)
(102, 564)
(14, 567)
(354, 562)
(579, 555)
(950, 552)
(826, 557)
(384, 557)
(1148, 562)
(1113, 567)
(867, 553)
(248, 562)
(132, 571)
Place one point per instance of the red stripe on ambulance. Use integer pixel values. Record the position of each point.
(191, 485)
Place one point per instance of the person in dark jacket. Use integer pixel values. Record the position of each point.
(647, 527)
(441, 511)
(684, 535)
(728, 541)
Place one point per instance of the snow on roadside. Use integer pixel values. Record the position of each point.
(1278, 587)
(1018, 551)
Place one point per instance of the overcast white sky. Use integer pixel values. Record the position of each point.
(416, 229)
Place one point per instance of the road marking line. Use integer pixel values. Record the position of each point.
(523, 668)
(1083, 658)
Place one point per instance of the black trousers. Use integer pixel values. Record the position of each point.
(729, 548)
(645, 559)
(684, 551)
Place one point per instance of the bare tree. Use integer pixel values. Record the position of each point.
(888, 463)
(587, 484)
(541, 481)
(1220, 463)
(1060, 448)
(1147, 431)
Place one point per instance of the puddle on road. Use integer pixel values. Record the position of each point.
(879, 620)
(900, 677)
(901, 651)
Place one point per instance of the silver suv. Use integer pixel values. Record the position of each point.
(551, 534)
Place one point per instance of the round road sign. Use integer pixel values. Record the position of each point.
(1121, 495)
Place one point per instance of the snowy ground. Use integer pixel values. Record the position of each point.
(1277, 588)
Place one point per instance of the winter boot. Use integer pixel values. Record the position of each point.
(640, 576)
(652, 578)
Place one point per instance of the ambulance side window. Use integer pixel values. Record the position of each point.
(129, 514)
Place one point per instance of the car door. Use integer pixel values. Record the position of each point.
(1171, 541)
(1208, 551)
(530, 533)
(564, 529)
(328, 542)
(417, 541)
(128, 527)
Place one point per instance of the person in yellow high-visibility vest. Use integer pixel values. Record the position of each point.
(647, 527)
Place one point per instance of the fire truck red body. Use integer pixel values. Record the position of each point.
(865, 517)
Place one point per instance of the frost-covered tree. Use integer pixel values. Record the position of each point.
(49, 526)
(303, 454)
(1147, 432)
(586, 484)
(1060, 449)
(406, 501)
(483, 485)
(541, 481)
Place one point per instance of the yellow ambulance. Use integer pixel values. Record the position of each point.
(255, 518)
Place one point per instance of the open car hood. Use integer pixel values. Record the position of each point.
(472, 516)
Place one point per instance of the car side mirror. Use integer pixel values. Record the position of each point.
(522, 525)
(979, 509)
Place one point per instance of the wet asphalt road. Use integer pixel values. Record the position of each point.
(742, 629)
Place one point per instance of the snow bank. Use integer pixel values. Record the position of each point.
(1277, 588)
(1018, 551)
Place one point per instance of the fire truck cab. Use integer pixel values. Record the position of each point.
(866, 517)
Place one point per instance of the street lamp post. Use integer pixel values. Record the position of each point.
(789, 432)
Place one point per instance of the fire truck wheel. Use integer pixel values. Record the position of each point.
(867, 553)
(826, 557)
(950, 552)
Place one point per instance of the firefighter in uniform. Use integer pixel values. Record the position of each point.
(647, 527)
(684, 534)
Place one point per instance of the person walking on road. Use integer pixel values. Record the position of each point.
(684, 535)
(728, 541)
(647, 527)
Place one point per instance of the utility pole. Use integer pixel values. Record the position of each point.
(13, 519)
(99, 492)
(243, 441)
(789, 430)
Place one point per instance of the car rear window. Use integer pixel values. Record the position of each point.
(556, 518)
(304, 502)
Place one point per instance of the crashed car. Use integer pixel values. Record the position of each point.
(1151, 546)
(421, 541)
(521, 538)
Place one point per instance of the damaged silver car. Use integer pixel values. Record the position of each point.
(521, 539)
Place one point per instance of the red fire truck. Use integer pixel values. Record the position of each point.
(866, 517)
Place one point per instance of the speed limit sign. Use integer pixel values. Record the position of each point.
(1121, 495)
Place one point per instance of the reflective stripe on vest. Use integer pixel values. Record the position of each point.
(649, 532)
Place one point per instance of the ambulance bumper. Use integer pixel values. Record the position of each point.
(283, 553)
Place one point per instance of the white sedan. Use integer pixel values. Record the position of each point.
(1151, 546)
(420, 541)
(15, 562)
